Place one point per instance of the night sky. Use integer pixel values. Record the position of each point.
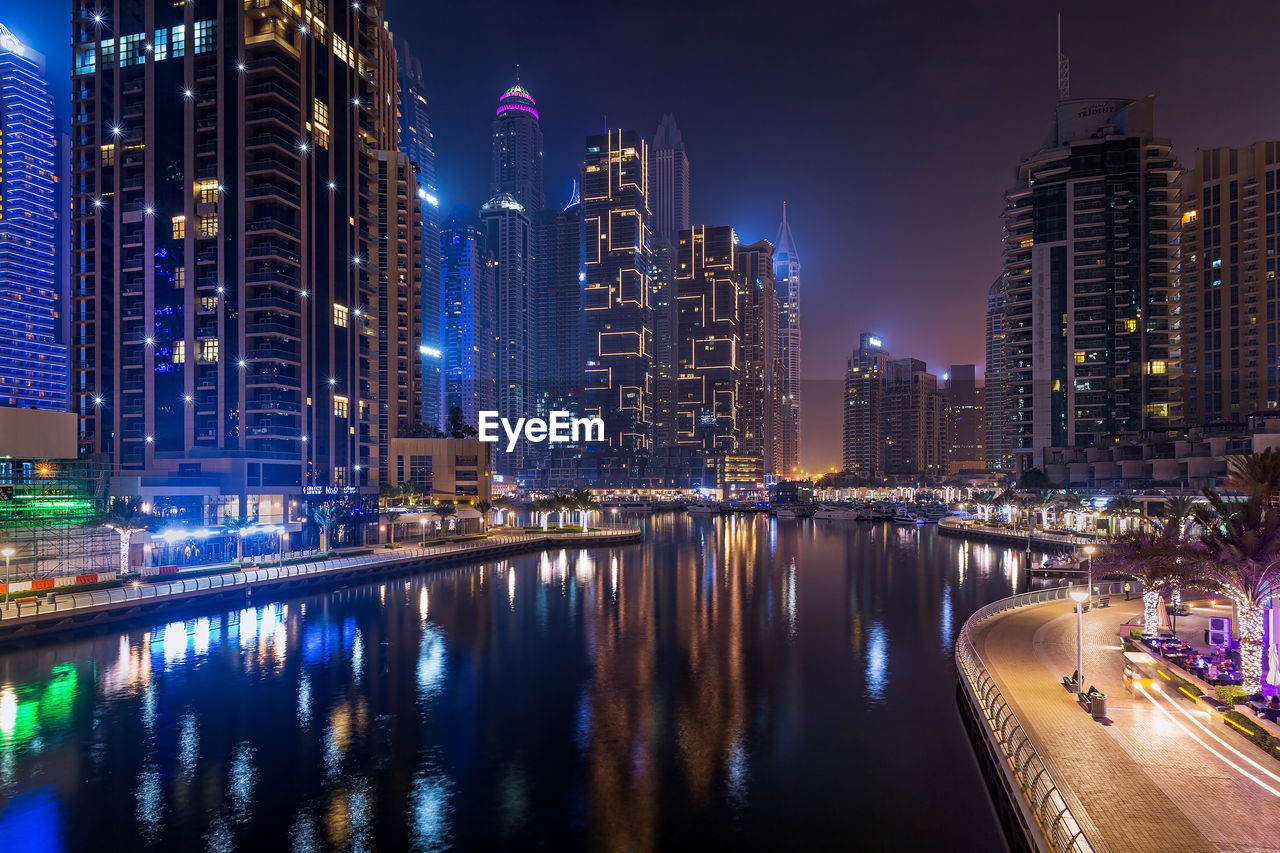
(891, 128)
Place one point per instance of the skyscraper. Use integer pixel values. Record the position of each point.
(759, 395)
(966, 427)
(399, 265)
(708, 339)
(914, 420)
(617, 322)
(998, 457)
(555, 306)
(1230, 309)
(418, 144)
(786, 277)
(517, 148)
(863, 407)
(1090, 262)
(509, 238)
(33, 354)
(669, 201)
(469, 295)
(228, 261)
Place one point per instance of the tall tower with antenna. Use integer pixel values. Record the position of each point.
(1064, 67)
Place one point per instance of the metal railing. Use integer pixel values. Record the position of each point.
(1041, 795)
(70, 601)
(1038, 535)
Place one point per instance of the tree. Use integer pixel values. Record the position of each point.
(1256, 474)
(543, 507)
(1175, 513)
(1239, 556)
(985, 501)
(390, 516)
(444, 509)
(1158, 561)
(485, 508)
(125, 518)
(457, 427)
(236, 526)
(1122, 509)
(504, 505)
(583, 501)
(322, 515)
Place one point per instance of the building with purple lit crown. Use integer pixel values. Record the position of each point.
(517, 149)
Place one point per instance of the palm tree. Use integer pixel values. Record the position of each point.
(562, 504)
(985, 501)
(322, 515)
(236, 526)
(1239, 556)
(1175, 513)
(504, 505)
(584, 502)
(391, 525)
(1121, 509)
(1157, 561)
(444, 509)
(543, 507)
(1255, 474)
(125, 518)
(485, 508)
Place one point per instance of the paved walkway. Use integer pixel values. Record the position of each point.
(1141, 783)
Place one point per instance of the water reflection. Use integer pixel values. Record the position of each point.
(734, 681)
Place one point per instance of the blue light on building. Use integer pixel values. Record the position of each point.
(33, 362)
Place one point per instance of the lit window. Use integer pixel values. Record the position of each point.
(86, 59)
(207, 225)
(1079, 356)
(179, 227)
(320, 110)
(205, 36)
(339, 407)
(107, 155)
(208, 350)
(131, 50)
(160, 45)
(1157, 367)
(1158, 410)
(340, 315)
(1131, 325)
(1026, 243)
(179, 41)
(208, 303)
(207, 191)
(180, 278)
(179, 352)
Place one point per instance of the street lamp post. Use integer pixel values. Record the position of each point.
(1080, 596)
(1089, 551)
(423, 522)
(8, 552)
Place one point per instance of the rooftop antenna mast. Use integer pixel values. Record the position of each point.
(1064, 67)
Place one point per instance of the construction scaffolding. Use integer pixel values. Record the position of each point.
(51, 516)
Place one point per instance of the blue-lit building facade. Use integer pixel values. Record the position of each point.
(33, 355)
(509, 237)
(517, 149)
(468, 294)
(418, 143)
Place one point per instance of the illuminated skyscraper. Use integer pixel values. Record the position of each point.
(786, 276)
(33, 357)
(996, 415)
(418, 144)
(669, 201)
(517, 148)
(1090, 266)
(617, 322)
(864, 407)
(469, 294)
(508, 234)
(708, 339)
(228, 266)
(759, 394)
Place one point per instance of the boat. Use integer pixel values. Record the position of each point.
(703, 509)
(835, 513)
(795, 511)
(905, 516)
(631, 506)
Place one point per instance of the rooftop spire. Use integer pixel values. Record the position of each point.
(1064, 67)
(785, 242)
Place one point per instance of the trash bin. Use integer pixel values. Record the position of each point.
(1098, 705)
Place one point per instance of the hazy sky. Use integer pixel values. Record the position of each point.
(891, 128)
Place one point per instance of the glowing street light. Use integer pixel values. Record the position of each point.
(1079, 595)
(7, 551)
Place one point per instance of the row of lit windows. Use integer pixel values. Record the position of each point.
(206, 226)
(166, 44)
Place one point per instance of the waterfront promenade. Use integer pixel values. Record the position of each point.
(68, 611)
(1147, 777)
(1007, 535)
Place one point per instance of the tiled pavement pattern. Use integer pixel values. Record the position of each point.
(1142, 784)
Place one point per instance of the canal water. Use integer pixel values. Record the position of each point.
(734, 682)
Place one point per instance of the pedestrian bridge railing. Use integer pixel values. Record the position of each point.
(1043, 798)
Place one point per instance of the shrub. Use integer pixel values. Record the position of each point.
(1230, 695)
(1254, 731)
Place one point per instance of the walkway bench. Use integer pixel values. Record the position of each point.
(1103, 602)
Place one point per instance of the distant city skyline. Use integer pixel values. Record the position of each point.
(941, 94)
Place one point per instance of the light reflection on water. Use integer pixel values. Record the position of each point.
(734, 681)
